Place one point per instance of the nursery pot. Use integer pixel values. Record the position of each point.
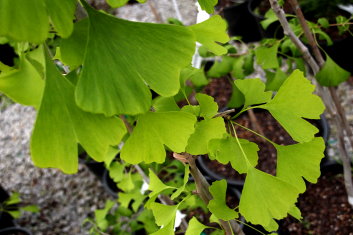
(109, 184)
(242, 22)
(97, 168)
(6, 219)
(14, 231)
(322, 125)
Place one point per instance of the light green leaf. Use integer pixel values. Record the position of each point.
(253, 91)
(275, 80)
(166, 230)
(208, 5)
(15, 214)
(211, 31)
(164, 104)
(116, 171)
(117, 3)
(266, 57)
(237, 99)
(270, 17)
(110, 156)
(13, 199)
(323, 22)
(72, 49)
(61, 13)
(217, 205)
(300, 160)
(153, 131)
(208, 107)
(182, 188)
(192, 109)
(228, 150)
(205, 131)
(127, 183)
(293, 102)
(163, 214)
(196, 76)
(331, 74)
(119, 63)
(156, 185)
(23, 20)
(237, 69)
(295, 212)
(100, 215)
(195, 227)
(221, 68)
(23, 85)
(125, 198)
(266, 197)
(31, 208)
(59, 114)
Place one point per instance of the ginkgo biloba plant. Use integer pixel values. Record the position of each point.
(111, 66)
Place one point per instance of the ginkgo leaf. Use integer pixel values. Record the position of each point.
(164, 104)
(116, 171)
(275, 80)
(217, 205)
(166, 230)
(293, 102)
(208, 5)
(253, 91)
(100, 214)
(118, 63)
(237, 99)
(331, 74)
(72, 49)
(117, 3)
(211, 31)
(221, 68)
(156, 186)
(182, 188)
(266, 57)
(24, 20)
(208, 107)
(163, 214)
(195, 227)
(205, 131)
(300, 160)
(61, 13)
(59, 114)
(24, 85)
(153, 131)
(266, 197)
(196, 76)
(125, 198)
(228, 150)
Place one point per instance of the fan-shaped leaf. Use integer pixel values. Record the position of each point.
(331, 74)
(253, 91)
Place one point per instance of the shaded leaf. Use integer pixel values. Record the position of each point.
(100, 215)
(211, 31)
(300, 160)
(293, 102)
(208, 5)
(166, 230)
(275, 80)
(153, 131)
(217, 205)
(237, 99)
(119, 62)
(195, 227)
(266, 57)
(331, 74)
(221, 68)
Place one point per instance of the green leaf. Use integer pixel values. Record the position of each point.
(208, 5)
(237, 99)
(196, 76)
(72, 49)
(323, 22)
(125, 198)
(127, 184)
(166, 230)
(208, 107)
(110, 156)
(270, 17)
(182, 188)
(31, 208)
(331, 74)
(23, 20)
(13, 199)
(300, 160)
(59, 114)
(228, 150)
(253, 91)
(275, 80)
(293, 102)
(195, 227)
(156, 186)
(211, 31)
(23, 85)
(164, 104)
(266, 57)
(221, 68)
(163, 214)
(153, 131)
(266, 197)
(119, 63)
(100, 215)
(116, 3)
(15, 214)
(217, 205)
(146, 217)
(237, 69)
(205, 131)
(61, 13)
(116, 171)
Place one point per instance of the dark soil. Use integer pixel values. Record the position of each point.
(267, 154)
(324, 208)
(220, 89)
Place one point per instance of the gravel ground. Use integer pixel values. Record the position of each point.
(65, 201)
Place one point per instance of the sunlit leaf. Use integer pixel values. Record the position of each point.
(331, 74)
(208, 5)
(253, 91)
(182, 188)
(195, 227)
(163, 214)
(266, 57)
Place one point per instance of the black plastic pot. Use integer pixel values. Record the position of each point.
(96, 168)
(242, 22)
(15, 231)
(324, 131)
